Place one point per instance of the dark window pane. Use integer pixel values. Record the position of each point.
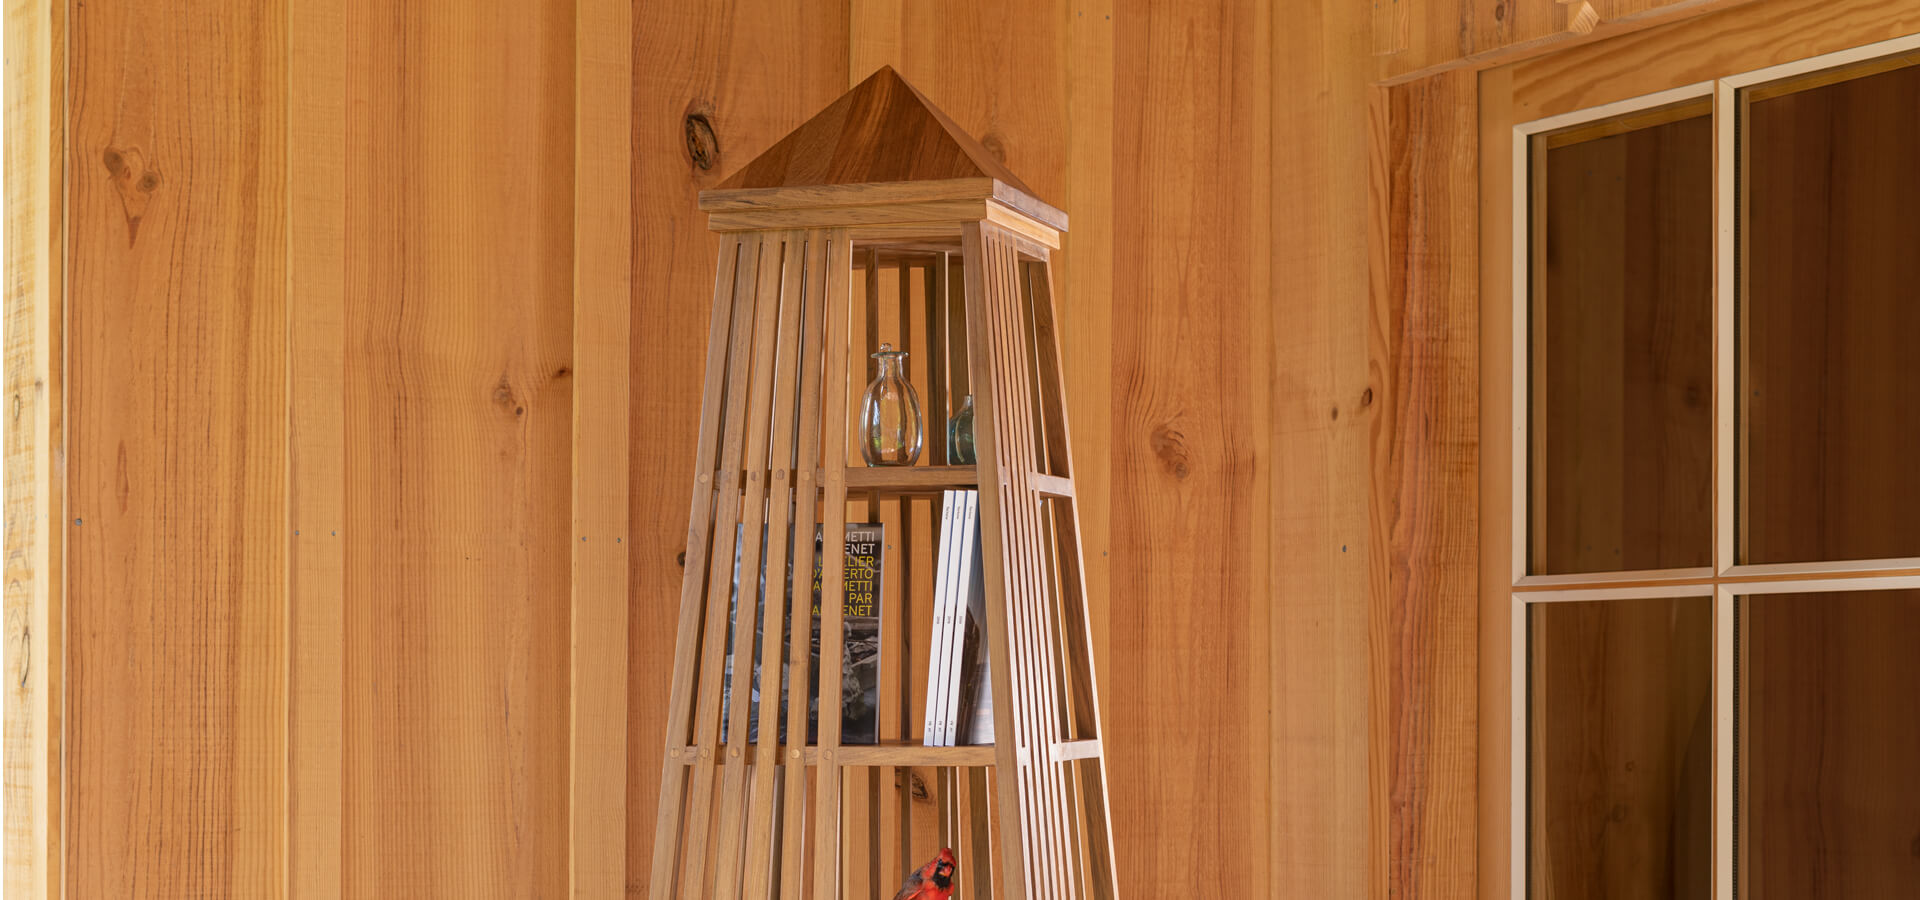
(1829, 765)
(1830, 401)
(1620, 756)
(1622, 331)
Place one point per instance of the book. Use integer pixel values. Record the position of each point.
(968, 632)
(864, 546)
(973, 717)
(931, 728)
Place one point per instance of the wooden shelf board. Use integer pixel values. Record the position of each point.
(890, 753)
(911, 479)
(906, 753)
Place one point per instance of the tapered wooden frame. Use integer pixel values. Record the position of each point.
(1728, 579)
(777, 400)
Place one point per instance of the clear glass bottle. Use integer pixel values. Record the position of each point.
(891, 430)
(960, 434)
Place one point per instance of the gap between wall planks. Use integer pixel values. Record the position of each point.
(1424, 509)
(35, 84)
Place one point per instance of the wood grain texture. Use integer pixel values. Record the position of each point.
(1425, 454)
(1192, 465)
(1322, 406)
(459, 406)
(603, 245)
(1830, 403)
(1623, 438)
(177, 452)
(1754, 35)
(751, 72)
(1499, 860)
(1621, 749)
(1828, 795)
(316, 477)
(35, 247)
(882, 130)
(1427, 37)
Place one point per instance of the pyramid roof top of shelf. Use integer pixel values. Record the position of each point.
(883, 136)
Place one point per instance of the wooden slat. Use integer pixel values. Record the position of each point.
(694, 62)
(715, 550)
(35, 84)
(776, 251)
(1013, 853)
(1023, 345)
(175, 468)
(1015, 431)
(800, 652)
(743, 440)
(838, 304)
(602, 290)
(667, 831)
(1425, 569)
(1083, 689)
(316, 483)
(1011, 427)
(780, 497)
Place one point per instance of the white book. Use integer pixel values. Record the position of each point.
(949, 613)
(967, 580)
(974, 719)
(933, 727)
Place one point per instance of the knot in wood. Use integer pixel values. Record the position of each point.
(703, 146)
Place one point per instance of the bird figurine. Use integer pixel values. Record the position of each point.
(933, 881)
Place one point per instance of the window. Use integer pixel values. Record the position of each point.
(1717, 487)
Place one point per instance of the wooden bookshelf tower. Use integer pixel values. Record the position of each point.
(949, 251)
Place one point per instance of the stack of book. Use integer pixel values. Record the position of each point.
(959, 700)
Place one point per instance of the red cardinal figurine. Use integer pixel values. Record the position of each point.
(934, 881)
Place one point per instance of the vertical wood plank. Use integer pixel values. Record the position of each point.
(1424, 602)
(800, 651)
(602, 300)
(1084, 276)
(176, 466)
(459, 407)
(316, 477)
(36, 128)
(1014, 866)
(1499, 865)
(838, 303)
(1321, 406)
(745, 73)
(787, 434)
(1192, 467)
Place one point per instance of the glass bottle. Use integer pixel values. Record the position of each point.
(960, 434)
(891, 430)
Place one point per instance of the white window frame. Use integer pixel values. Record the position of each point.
(1726, 580)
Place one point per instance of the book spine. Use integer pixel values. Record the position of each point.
(964, 582)
(931, 725)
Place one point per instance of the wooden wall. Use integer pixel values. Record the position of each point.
(341, 345)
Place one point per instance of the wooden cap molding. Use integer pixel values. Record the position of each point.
(881, 159)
